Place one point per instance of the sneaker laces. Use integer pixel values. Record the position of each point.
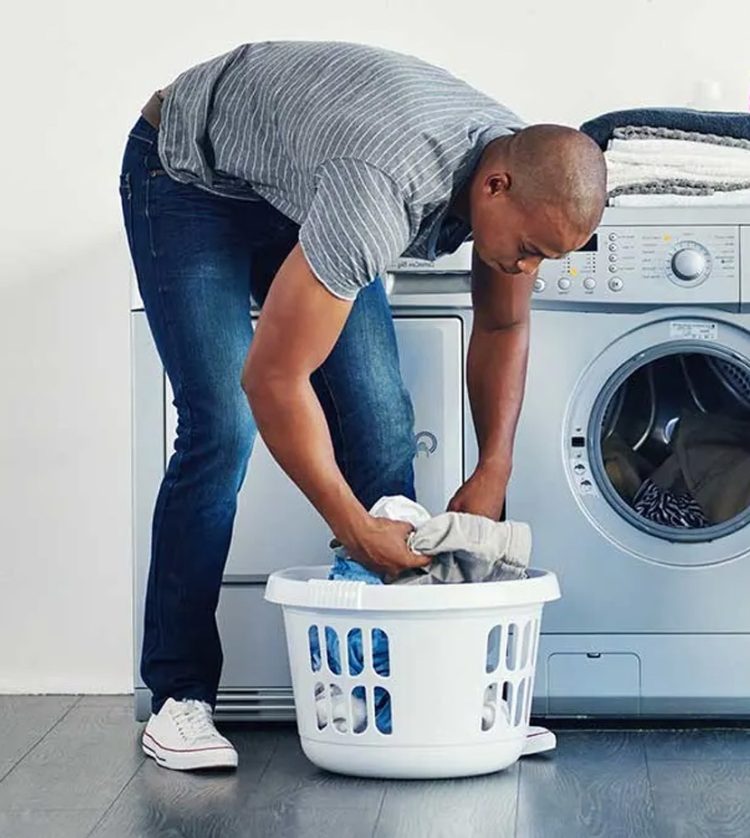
(194, 719)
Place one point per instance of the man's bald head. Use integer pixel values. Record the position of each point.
(554, 165)
(541, 191)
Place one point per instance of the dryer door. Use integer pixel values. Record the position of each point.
(276, 526)
(657, 441)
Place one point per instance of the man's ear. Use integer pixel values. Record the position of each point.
(497, 183)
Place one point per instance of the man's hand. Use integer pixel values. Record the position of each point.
(380, 545)
(483, 493)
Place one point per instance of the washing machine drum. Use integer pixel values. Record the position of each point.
(675, 442)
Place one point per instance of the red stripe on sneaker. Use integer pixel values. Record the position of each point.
(186, 750)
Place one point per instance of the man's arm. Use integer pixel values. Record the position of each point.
(496, 376)
(297, 329)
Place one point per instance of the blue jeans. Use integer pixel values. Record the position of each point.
(200, 259)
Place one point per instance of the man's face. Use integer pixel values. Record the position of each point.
(512, 239)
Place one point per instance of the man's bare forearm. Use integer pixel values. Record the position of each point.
(293, 426)
(496, 378)
(297, 329)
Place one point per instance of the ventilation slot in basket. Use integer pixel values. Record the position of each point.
(534, 643)
(321, 705)
(493, 649)
(511, 650)
(529, 699)
(525, 646)
(359, 710)
(383, 710)
(381, 659)
(354, 650)
(333, 651)
(520, 703)
(489, 711)
(313, 642)
(338, 709)
(494, 705)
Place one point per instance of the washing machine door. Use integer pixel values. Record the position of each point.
(657, 441)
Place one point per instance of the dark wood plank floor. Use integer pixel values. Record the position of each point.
(71, 767)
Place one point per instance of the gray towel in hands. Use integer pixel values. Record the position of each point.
(466, 548)
(469, 548)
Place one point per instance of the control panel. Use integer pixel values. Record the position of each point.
(647, 264)
(628, 264)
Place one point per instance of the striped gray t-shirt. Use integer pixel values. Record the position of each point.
(362, 147)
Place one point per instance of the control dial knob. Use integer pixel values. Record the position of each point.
(689, 261)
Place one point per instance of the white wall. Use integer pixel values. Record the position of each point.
(73, 80)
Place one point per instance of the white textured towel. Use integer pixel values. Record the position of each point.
(631, 162)
(671, 150)
(627, 174)
(737, 197)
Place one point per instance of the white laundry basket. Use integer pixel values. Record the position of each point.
(448, 693)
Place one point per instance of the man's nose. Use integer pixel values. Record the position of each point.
(529, 264)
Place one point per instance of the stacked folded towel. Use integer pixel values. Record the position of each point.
(671, 156)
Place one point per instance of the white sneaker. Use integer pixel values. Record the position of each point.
(182, 736)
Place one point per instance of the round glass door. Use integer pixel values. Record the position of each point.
(669, 442)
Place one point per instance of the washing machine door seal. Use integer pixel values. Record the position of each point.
(582, 428)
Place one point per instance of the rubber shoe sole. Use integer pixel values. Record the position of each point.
(188, 760)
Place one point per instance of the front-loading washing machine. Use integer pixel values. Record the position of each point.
(638, 329)
(632, 464)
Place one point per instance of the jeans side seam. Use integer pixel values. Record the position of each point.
(126, 190)
(149, 225)
(179, 386)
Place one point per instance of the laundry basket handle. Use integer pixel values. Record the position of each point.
(338, 593)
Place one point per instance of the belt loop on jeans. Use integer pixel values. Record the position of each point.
(151, 111)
